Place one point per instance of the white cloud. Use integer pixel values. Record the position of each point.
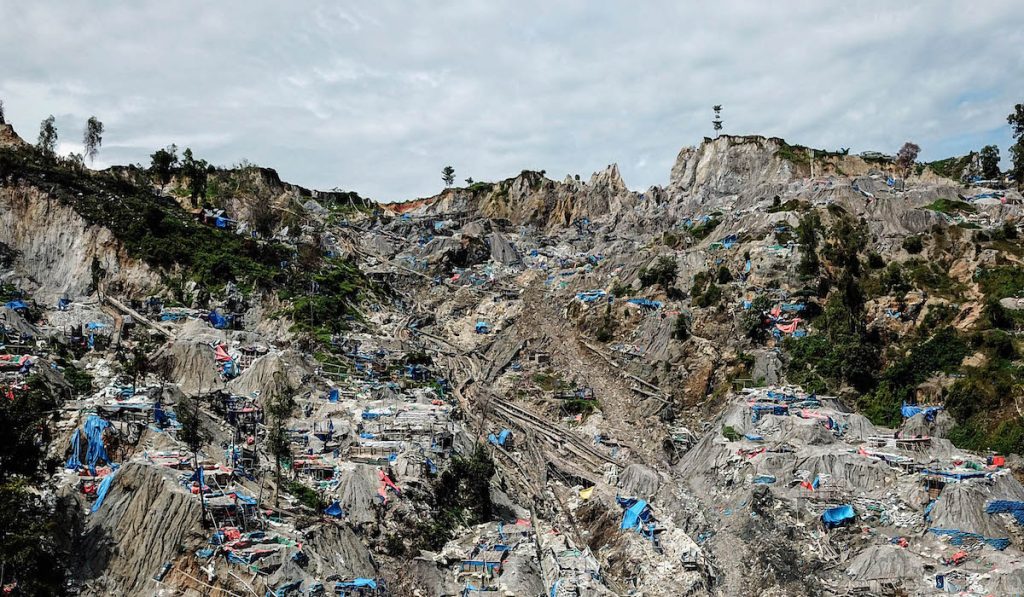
(379, 97)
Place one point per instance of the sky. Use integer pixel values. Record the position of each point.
(377, 97)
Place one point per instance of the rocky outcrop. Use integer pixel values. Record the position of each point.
(57, 248)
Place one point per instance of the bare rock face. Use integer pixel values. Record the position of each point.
(57, 248)
(9, 138)
(729, 165)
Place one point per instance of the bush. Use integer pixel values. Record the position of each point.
(913, 244)
(681, 330)
(663, 272)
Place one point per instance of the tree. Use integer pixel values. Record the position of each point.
(30, 528)
(1016, 121)
(469, 181)
(664, 272)
(137, 366)
(197, 173)
(163, 162)
(47, 142)
(990, 162)
(807, 236)
(906, 157)
(192, 433)
(279, 407)
(93, 138)
(448, 176)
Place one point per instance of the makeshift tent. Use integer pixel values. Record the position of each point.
(590, 296)
(17, 305)
(94, 427)
(909, 410)
(217, 320)
(838, 516)
(645, 303)
(334, 510)
(333, 395)
(482, 327)
(221, 353)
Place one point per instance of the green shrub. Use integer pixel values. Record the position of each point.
(913, 244)
(663, 272)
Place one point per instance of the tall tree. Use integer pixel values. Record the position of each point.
(1016, 121)
(989, 162)
(279, 407)
(47, 142)
(163, 162)
(197, 173)
(448, 176)
(192, 433)
(93, 138)
(906, 157)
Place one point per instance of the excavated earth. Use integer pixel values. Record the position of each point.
(632, 463)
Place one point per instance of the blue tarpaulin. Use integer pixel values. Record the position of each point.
(746, 267)
(333, 395)
(501, 437)
(359, 583)
(94, 427)
(482, 327)
(17, 305)
(101, 493)
(1007, 507)
(729, 241)
(645, 303)
(910, 410)
(959, 476)
(637, 513)
(74, 461)
(217, 320)
(590, 296)
(334, 510)
(838, 516)
(957, 537)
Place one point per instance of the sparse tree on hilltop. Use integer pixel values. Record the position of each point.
(469, 181)
(448, 176)
(47, 142)
(93, 138)
(906, 157)
(197, 173)
(163, 162)
(1016, 121)
(990, 162)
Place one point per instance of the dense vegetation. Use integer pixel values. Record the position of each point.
(31, 529)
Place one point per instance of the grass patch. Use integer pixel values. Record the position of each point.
(951, 206)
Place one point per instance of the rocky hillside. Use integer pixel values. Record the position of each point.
(788, 371)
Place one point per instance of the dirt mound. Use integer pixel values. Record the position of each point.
(145, 521)
(885, 562)
(192, 364)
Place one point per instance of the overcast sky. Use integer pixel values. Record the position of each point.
(378, 96)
